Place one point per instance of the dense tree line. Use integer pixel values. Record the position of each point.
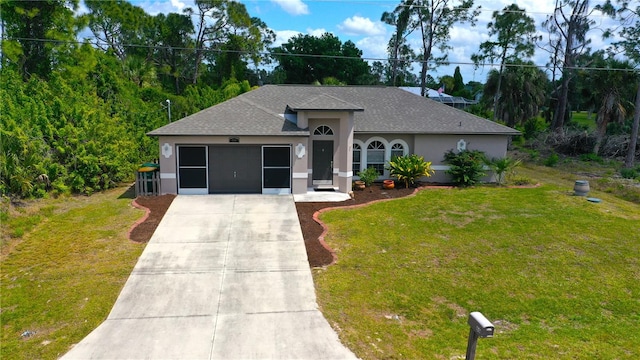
(84, 128)
(75, 111)
(75, 114)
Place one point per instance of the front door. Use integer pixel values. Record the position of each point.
(323, 162)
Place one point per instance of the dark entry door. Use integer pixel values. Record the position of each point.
(322, 162)
(235, 169)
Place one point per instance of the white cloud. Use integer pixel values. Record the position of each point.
(282, 36)
(178, 4)
(293, 7)
(317, 32)
(155, 7)
(373, 47)
(357, 25)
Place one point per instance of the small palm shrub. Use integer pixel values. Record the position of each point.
(368, 175)
(466, 167)
(503, 167)
(409, 168)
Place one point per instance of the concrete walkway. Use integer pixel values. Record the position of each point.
(223, 277)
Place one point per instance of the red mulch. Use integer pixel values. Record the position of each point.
(318, 255)
(157, 206)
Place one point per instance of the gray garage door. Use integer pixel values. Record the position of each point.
(235, 169)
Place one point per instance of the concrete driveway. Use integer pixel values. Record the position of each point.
(223, 277)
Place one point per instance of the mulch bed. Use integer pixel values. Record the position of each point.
(318, 254)
(157, 206)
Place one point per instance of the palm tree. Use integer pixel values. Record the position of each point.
(523, 91)
(611, 110)
(612, 90)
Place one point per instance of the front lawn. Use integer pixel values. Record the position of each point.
(559, 276)
(64, 261)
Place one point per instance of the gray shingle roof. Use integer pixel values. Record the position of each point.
(324, 102)
(386, 110)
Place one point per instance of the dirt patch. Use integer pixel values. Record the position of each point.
(318, 254)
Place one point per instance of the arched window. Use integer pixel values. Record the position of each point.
(357, 159)
(397, 149)
(375, 156)
(323, 130)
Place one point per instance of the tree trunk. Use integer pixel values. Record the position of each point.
(199, 45)
(561, 107)
(496, 97)
(394, 65)
(631, 152)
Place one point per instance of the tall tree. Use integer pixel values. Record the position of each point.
(306, 59)
(400, 53)
(609, 89)
(527, 87)
(174, 50)
(568, 27)
(629, 19)
(221, 22)
(458, 84)
(514, 34)
(119, 27)
(434, 20)
(32, 29)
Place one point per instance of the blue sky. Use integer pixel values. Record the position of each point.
(359, 21)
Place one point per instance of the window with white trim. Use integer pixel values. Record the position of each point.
(357, 159)
(397, 149)
(323, 130)
(375, 156)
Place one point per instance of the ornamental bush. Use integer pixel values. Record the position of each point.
(466, 167)
(503, 167)
(409, 168)
(368, 175)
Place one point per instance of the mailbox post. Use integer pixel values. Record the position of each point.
(479, 327)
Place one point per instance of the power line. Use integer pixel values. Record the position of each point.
(321, 56)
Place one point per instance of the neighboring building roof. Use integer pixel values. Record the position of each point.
(430, 92)
(440, 97)
(379, 109)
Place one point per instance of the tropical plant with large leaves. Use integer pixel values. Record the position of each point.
(409, 168)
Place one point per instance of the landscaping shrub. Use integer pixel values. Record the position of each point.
(368, 175)
(409, 168)
(503, 167)
(466, 167)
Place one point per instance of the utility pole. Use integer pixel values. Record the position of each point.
(169, 109)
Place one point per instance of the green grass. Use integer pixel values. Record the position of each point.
(583, 119)
(64, 261)
(556, 274)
